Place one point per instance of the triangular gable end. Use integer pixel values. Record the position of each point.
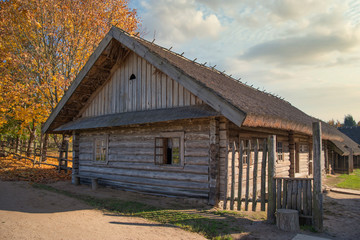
(69, 106)
(136, 85)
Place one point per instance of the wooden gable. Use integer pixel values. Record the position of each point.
(149, 90)
(102, 87)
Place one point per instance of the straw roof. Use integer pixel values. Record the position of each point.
(242, 104)
(347, 144)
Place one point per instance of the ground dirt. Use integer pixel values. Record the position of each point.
(29, 213)
(341, 211)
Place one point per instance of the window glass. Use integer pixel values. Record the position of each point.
(279, 150)
(168, 150)
(100, 149)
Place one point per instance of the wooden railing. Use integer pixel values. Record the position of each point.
(36, 156)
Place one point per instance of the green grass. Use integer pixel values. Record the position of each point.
(351, 181)
(210, 228)
(308, 228)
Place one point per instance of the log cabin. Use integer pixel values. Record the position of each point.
(343, 156)
(146, 119)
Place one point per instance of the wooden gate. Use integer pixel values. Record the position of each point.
(295, 193)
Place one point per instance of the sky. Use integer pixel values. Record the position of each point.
(307, 52)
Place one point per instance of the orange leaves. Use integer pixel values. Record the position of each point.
(46, 43)
(12, 169)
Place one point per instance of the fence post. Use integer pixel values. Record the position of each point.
(351, 161)
(271, 180)
(75, 158)
(317, 192)
(263, 175)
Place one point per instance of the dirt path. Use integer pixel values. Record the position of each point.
(28, 213)
(342, 215)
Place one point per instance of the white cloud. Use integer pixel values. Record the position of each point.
(306, 51)
(302, 50)
(178, 21)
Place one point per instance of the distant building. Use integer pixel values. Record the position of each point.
(352, 132)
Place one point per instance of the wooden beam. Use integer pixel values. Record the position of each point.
(292, 154)
(317, 190)
(271, 180)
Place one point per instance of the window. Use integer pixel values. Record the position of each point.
(279, 150)
(100, 149)
(169, 149)
(245, 144)
(303, 148)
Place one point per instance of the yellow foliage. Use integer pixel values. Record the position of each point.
(44, 44)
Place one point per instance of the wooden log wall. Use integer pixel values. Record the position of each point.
(214, 163)
(131, 159)
(283, 166)
(223, 152)
(150, 89)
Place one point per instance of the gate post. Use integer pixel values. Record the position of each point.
(271, 180)
(317, 191)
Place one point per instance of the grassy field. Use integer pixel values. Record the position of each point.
(351, 181)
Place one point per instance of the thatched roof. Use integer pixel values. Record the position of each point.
(242, 104)
(347, 144)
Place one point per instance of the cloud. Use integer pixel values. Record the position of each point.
(325, 101)
(179, 21)
(301, 50)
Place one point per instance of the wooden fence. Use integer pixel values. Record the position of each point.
(242, 181)
(278, 193)
(295, 193)
(36, 156)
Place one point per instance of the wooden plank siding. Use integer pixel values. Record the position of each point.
(151, 89)
(131, 162)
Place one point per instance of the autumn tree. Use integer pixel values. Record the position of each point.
(334, 123)
(43, 45)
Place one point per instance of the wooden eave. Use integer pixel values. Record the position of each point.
(110, 53)
(140, 117)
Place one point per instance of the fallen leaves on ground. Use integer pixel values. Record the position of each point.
(12, 169)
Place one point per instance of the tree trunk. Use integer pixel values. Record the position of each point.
(44, 147)
(31, 139)
(17, 144)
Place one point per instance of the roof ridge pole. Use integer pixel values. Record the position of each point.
(317, 190)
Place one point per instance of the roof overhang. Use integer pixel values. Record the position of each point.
(141, 117)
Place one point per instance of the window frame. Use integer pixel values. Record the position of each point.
(165, 135)
(104, 138)
(280, 155)
(245, 158)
